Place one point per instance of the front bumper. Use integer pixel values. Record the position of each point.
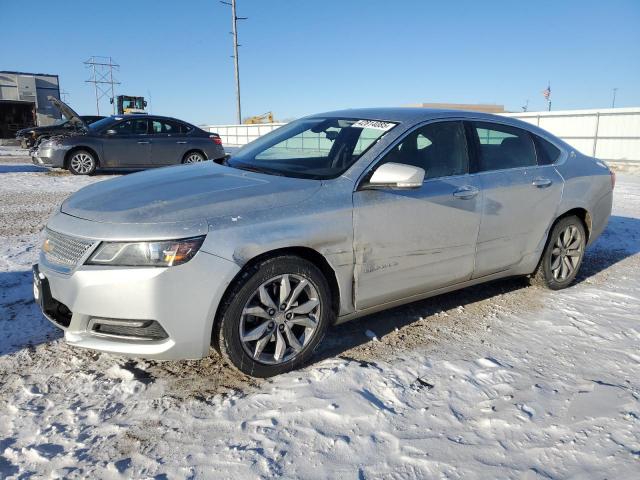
(49, 156)
(183, 300)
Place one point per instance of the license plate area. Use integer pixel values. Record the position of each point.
(54, 310)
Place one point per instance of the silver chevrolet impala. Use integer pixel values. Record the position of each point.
(324, 220)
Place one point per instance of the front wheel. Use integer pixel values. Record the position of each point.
(82, 162)
(275, 317)
(563, 254)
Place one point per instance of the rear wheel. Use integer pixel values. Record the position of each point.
(563, 254)
(82, 162)
(193, 157)
(274, 317)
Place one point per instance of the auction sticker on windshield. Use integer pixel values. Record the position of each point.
(375, 124)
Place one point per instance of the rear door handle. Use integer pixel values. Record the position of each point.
(541, 182)
(181, 143)
(466, 193)
(143, 142)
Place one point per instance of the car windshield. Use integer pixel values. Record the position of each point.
(100, 124)
(317, 148)
(60, 121)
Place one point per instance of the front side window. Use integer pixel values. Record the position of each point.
(439, 148)
(502, 146)
(318, 148)
(140, 127)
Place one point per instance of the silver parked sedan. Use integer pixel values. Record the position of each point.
(326, 219)
(125, 142)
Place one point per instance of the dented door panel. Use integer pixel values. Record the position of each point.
(408, 242)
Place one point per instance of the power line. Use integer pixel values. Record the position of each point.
(236, 67)
(101, 69)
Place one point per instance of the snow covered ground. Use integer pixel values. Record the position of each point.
(496, 381)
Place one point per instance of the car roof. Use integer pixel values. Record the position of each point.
(129, 116)
(407, 114)
(415, 115)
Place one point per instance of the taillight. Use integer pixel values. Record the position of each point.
(216, 139)
(613, 179)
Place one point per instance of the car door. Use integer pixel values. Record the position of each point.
(169, 143)
(127, 144)
(408, 242)
(520, 197)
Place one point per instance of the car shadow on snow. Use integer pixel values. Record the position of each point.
(22, 324)
(620, 240)
(21, 168)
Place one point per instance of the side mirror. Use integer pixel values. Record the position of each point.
(110, 132)
(396, 175)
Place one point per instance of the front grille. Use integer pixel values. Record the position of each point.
(64, 249)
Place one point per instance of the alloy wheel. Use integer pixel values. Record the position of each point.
(194, 158)
(566, 254)
(280, 319)
(82, 163)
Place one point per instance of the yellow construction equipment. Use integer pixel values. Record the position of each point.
(264, 118)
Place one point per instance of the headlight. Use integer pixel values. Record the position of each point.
(166, 253)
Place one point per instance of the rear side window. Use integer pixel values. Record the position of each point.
(166, 127)
(548, 153)
(184, 128)
(502, 146)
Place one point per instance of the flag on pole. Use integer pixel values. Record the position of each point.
(546, 93)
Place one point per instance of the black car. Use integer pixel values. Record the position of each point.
(29, 136)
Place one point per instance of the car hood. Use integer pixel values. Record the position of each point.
(185, 193)
(67, 111)
(48, 128)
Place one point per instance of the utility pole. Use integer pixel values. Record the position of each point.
(613, 100)
(236, 68)
(102, 78)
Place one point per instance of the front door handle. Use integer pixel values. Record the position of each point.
(143, 142)
(541, 182)
(466, 193)
(181, 143)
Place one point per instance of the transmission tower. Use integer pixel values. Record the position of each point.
(101, 69)
(234, 32)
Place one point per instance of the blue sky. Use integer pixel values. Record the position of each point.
(301, 57)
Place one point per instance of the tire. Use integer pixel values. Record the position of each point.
(562, 257)
(276, 340)
(82, 162)
(194, 157)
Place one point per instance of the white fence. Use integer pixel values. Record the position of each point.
(238, 135)
(611, 134)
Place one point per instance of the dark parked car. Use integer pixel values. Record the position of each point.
(127, 142)
(29, 136)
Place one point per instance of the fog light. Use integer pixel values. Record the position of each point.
(142, 330)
